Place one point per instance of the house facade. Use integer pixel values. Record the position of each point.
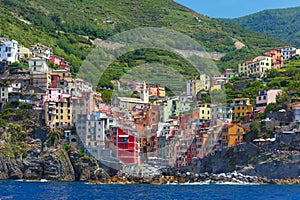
(265, 97)
(9, 50)
(41, 51)
(58, 108)
(203, 82)
(232, 135)
(277, 58)
(205, 111)
(40, 75)
(222, 113)
(288, 52)
(241, 109)
(24, 53)
(256, 67)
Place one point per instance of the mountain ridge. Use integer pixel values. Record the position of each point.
(282, 24)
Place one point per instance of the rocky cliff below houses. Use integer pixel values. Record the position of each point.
(24, 156)
(251, 160)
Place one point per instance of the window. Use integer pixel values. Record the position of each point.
(61, 117)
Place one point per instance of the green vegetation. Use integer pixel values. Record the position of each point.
(282, 24)
(14, 138)
(62, 25)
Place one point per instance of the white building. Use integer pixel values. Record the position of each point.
(91, 128)
(128, 103)
(288, 52)
(40, 75)
(9, 50)
(258, 66)
(41, 51)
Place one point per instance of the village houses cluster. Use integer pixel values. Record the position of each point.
(148, 129)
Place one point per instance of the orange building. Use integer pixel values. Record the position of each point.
(277, 59)
(232, 134)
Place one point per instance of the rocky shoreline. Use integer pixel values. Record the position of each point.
(190, 178)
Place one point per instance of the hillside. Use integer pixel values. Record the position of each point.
(58, 24)
(282, 24)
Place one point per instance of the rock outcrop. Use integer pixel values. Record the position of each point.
(49, 163)
(250, 160)
(87, 168)
(57, 165)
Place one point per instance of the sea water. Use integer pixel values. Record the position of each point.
(81, 190)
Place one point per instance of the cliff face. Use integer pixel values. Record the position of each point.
(51, 164)
(27, 151)
(253, 161)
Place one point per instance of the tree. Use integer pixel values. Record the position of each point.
(255, 130)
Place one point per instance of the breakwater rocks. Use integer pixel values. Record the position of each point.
(190, 178)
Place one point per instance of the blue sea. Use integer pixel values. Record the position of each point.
(79, 190)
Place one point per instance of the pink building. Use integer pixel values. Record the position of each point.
(265, 97)
(60, 62)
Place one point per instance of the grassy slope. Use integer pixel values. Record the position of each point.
(86, 17)
(283, 24)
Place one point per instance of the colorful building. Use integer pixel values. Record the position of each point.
(155, 90)
(265, 97)
(241, 109)
(277, 58)
(58, 108)
(126, 145)
(205, 111)
(61, 62)
(232, 135)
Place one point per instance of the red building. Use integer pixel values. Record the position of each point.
(126, 145)
(60, 62)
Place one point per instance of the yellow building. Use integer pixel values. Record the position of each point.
(241, 109)
(24, 53)
(205, 111)
(58, 108)
(232, 135)
(203, 82)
